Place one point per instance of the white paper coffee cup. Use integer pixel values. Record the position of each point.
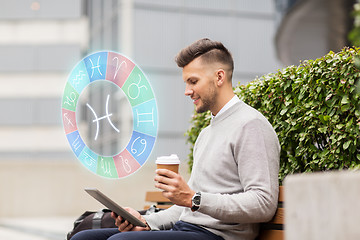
(168, 162)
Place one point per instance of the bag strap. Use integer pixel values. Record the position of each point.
(96, 221)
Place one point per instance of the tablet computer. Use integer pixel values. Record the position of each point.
(102, 198)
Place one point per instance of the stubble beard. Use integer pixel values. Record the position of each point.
(208, 101)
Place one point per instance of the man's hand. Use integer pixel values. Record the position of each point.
(174, 187)
(125, 226)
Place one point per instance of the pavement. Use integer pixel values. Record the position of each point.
(54, 228)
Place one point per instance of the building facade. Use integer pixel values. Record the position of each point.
(40, 43)
(152, 32)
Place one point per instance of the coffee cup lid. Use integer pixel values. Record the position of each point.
(172, 159)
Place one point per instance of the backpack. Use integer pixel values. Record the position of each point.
(92, 220)
(99, 219)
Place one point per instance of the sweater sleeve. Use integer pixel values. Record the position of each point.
(256, 151)
(164, 220)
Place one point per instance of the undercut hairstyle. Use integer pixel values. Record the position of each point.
(209, 51)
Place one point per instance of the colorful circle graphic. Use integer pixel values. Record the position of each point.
(109, 114)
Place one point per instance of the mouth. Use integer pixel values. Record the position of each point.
(195, 100)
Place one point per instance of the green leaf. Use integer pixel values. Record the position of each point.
(283, 111)
(357, 113)
(347, 144)
(323, 129)
(345, 100)
(287, 103)
(345, 108)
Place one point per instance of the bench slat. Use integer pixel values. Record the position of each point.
(156, 197)
(271, 235)
(270, 230)
(281, 194)
(278, 217)
(146, 207)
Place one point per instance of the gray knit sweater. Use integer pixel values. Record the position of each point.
(236, 164)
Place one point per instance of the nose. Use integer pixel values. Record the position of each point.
(188, 91)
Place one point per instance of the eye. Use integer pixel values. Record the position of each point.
(193, 81)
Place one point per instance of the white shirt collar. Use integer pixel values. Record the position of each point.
(228, 105)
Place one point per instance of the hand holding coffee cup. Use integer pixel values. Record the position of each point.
(172, 184)
(168, 162)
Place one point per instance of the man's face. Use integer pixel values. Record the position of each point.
(200, 80)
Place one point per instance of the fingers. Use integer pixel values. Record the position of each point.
(167, 177)
(174, 187)
(125, 226)
(118, 221)
(165, 184)
(164, 187)
(166, 173)
(167, 180)
(164, 180)
(121, 223)
(114, 215)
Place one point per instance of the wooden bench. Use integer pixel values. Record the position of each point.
(158, 199)
(273, 230)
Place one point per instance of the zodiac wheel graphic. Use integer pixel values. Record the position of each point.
(112, 71)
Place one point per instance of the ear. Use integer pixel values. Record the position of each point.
(220, 75)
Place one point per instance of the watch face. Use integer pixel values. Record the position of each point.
(196, 200)
(109, 114)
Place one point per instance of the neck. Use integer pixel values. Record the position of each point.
(223, 99)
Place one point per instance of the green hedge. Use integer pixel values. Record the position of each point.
(314, 109)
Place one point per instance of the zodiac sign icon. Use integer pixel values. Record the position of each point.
(78, 78)
(118, 66)
(90, 161)
(126, 164)
(143, 142)
(107, 116)
(68, 119)
(93, 67)
(137, 89)
(106, 167)
(145, 115)
(76, 144)
(71, 100)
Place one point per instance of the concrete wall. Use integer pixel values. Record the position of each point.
(322, 206)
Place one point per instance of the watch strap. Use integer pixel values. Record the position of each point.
(195, 201)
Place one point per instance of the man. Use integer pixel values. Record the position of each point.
(234, 181)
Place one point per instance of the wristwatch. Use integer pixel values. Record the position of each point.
(196, 199)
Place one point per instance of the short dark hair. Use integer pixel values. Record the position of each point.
(209, 50)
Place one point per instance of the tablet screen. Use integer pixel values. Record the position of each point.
(102, 198)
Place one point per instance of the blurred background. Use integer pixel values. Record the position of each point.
(41, 180)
